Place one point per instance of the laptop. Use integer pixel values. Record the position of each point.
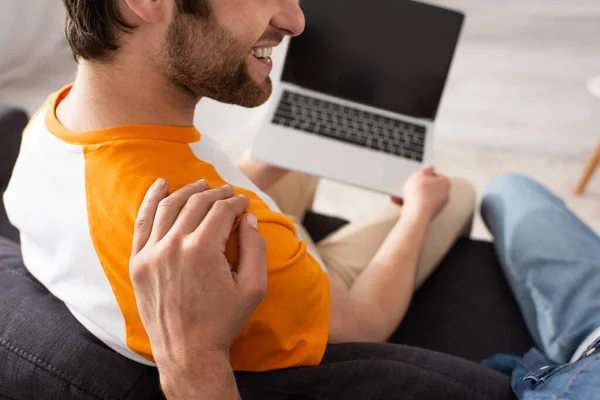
(360, 91)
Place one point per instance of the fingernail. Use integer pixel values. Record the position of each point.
(251, 218)
(159, 184)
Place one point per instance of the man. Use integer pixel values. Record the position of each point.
(96, 146)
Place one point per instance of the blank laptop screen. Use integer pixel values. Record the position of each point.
(390, 54)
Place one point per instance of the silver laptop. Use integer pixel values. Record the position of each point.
(360, 91)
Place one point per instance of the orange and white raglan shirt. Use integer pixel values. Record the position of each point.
(74, 196)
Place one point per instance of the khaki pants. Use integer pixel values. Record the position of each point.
(348, 251)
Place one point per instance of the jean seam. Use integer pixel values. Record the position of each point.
(549, 316)
(538, 380)
(572, 380)
(47, 367)
(465, 383)
(21, 275)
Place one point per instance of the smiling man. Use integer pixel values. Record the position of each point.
(95, 147)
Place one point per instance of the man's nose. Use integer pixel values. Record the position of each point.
(290, 18)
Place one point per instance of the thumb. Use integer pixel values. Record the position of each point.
(429, 169)
(252, 268)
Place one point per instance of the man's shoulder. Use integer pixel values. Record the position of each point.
(139, 158)
(131, 167)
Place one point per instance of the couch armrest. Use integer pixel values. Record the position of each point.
(6, 229)
(12, 123)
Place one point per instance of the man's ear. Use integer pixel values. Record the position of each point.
(150, 11)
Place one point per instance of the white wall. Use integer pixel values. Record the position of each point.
(31, 31)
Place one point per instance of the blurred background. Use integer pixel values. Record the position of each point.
(518, 98)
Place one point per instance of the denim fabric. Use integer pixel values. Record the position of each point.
(552, 262)
(379, 372)
(46, 354)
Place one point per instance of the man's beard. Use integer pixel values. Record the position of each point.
(211, 63)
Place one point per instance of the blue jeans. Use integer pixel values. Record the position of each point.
(552, 262)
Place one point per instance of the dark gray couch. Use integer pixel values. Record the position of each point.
(465, 309)
(12, 122)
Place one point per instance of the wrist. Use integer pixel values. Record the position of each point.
(188, 377)
(416, 216)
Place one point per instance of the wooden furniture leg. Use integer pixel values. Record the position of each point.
(589, 170)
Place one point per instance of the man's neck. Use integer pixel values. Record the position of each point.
(106, 96)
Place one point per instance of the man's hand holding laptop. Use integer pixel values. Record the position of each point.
(425, 192)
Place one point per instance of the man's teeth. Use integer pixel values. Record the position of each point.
(262, 52)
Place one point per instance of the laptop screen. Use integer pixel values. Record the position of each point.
(390, 54)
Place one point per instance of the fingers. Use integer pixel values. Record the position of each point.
(196, 208)
(251, 275)
(442, 178)
(219, 221)
(169, 209)
(428, 169)
(146, 214)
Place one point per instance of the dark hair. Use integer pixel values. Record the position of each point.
(92, 26)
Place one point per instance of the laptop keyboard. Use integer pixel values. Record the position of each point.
(351, 125)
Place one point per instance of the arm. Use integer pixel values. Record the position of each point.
(191, 300)
(377, 302)
(380, 297)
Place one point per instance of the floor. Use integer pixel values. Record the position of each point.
(515, 102)
(519, 76)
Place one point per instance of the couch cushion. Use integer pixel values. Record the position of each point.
(320, 226)
(466, 308)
